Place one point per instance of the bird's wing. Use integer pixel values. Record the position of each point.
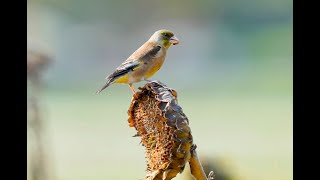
(121, 71)
(124, 68)
(146, 52)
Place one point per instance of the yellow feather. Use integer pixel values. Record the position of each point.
(166, 44)
(154, 69)
(122, 79)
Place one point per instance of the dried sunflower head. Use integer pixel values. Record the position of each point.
(163, 128)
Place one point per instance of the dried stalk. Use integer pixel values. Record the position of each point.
(196, 167)
(38, 161)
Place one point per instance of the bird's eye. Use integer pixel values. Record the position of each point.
(166, 34)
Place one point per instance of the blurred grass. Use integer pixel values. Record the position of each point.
(91, 138)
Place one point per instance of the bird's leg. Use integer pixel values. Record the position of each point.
(134, 91)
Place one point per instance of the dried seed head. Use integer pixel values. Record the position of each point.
(163, 128)
(36, 62)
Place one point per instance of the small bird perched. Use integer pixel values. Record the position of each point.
(144, 62)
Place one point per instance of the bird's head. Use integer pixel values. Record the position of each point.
(164, 37)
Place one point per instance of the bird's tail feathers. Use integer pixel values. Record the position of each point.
(109, 81)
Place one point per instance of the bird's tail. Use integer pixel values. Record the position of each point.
(109, 81)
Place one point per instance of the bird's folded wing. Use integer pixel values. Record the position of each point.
(141, 56)
(124, 68)
(146, 52)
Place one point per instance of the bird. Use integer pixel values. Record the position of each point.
(144, 62)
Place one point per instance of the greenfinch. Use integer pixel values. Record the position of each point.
(144, 62)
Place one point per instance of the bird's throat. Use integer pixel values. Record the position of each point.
(166, 44)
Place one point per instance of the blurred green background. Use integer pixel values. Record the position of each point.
(232, 71)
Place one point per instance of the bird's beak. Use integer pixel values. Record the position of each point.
(174, 40)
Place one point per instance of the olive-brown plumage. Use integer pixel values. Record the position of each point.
(144, 62)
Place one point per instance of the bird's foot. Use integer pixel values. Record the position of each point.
(131, 87)
(135, 94)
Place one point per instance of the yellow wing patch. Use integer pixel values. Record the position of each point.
(122, 79)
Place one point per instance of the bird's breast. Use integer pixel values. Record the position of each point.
(154, 66)
(150, 66)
